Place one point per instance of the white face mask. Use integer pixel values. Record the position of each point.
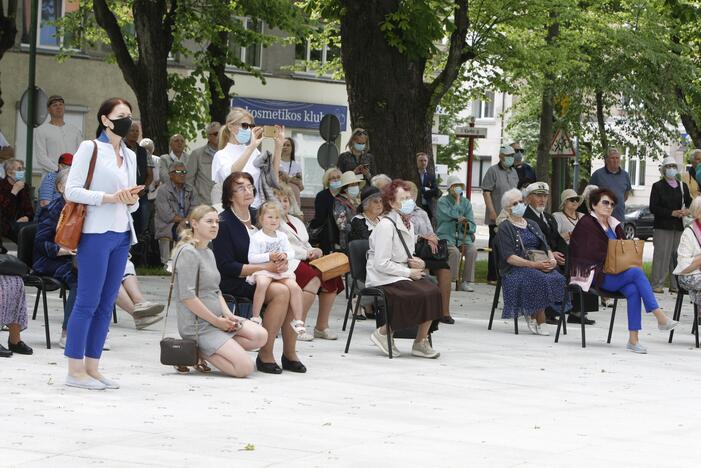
(353, 190)
(671, 172)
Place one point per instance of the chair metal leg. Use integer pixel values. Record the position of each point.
(349, 304)
(495, 303)
(559, 325)
(352, 326)
(347, 292)
(114, 313)
(389, 330)
(36, 304)
(613, 317)
(46, 319)
(696, 324)
(516, 324)
(676, 314)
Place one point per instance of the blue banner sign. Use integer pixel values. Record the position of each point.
(288, 113)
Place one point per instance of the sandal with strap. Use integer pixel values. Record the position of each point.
(298, 327)
(182, 369)
(202, 366)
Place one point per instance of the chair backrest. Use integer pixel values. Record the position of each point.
(495, 252)
(25, 243)
(358, 256)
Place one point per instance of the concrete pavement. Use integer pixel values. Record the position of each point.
(492, 399)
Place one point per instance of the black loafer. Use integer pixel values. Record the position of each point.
(20, 348)
(576, 319)
(552, 320)
(447, 319)
(267, 367)
(4, 352)
(293, 366)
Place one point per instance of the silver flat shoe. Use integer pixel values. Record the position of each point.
(108, 383)
(636, 348)
(87, 383)
(668, 326)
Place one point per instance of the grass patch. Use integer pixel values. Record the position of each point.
(481, 270)
(151, 271)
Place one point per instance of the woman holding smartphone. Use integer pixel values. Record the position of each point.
(108, 232)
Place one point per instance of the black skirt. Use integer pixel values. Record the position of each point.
(412, 303)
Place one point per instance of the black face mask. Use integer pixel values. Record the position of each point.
(121, 126)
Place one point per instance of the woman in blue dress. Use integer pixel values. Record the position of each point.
(529, 286)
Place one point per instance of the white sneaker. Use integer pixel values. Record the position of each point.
(541, 329)
(468, 287)
(147, 309)
(326, 334)
(395, 350)
(532, 324)
(143, 322)
(423, 349)
(62, 342)
(380, 341)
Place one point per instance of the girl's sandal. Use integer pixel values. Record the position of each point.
(202, 366)
(298, 326)
(182, 369)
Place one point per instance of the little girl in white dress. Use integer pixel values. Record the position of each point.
(271, 245)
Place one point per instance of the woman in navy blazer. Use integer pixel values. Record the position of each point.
(236, 224)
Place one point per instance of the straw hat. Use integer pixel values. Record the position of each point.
(350, 177)
(566, 195)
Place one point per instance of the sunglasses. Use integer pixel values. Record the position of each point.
(246, 125)
(608, 203)
(360, 132)
(180, 171)
(573, 200)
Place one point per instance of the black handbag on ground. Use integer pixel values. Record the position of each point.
(12, 266)
(177, 351)
(424, 252)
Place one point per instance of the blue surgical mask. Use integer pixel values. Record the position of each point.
(407, 206)
(519, 209)
(671, 172)
(353, 190)
(508, 161)
(458, 190)
(359, 146)
(243, 136)
(335, 184)
(19, 175)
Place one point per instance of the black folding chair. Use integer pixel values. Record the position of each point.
(25, 252)
(357, 254)
(678, 312)
(497, 291)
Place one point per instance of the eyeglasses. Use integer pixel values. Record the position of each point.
(244, 188)
(516, 203)
(245, 125)
(608, 203)
(180, 171)
(360, 132)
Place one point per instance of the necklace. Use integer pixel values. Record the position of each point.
(247, 220)
(522, 224)
(572, 220)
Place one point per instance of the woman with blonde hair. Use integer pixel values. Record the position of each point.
(358, 158)
(239, 139)
(223, 338)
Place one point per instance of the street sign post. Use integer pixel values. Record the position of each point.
(470, 132)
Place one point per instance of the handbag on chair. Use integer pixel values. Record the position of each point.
(70, 224)
(332, 265)
(622, 255)
(176, 351)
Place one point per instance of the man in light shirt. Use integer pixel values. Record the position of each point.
(177, 154)
(54, 138)
(199, 166)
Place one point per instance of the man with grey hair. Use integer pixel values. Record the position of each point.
(199, 166)
(380, 181)
(177, 154)
(174, 202)
(613, 177)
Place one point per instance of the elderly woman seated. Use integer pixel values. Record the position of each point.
(588, 250)
(411, 298)
(688, 268)
(456, 226)
(323, 229)
(424, 233)
(13, 314)
(527, 267)
(16, 208)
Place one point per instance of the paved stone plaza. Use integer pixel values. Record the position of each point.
(492, 399)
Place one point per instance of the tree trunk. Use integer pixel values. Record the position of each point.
(8, 31)
(601, 121)
(386, 90)
(218, 82)
(546, 134)
(148, 76)
(691, 124)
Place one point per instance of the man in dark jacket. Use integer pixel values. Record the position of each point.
(537, 195)
(428, 188)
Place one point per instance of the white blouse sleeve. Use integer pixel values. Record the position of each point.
(256, 250)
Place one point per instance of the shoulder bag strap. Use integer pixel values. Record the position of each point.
(170, 295)
(406, 249)
(91, 169)
(694, 232)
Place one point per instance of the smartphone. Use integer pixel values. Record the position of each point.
(270, 131)
(19, 175)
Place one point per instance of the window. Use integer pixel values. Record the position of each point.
(305, 53)
(50, 11)
(634, 163)
(484, 108)
(250, 55)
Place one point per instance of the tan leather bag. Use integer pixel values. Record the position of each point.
(622, 255)
(332, 265)
(70, 223)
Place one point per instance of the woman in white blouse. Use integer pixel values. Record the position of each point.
(688, 266)
(108, 232)
(239, 139)
(290, 170)
(568, 215)
(308, 278)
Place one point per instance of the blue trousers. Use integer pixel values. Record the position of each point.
(101, 261)
(633, 284)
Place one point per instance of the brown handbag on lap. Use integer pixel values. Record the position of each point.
(332, 265)
(623, 255)
(70, 223)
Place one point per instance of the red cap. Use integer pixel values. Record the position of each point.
(66, 158)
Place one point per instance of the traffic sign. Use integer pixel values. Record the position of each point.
(474, 132)
(562, 145)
